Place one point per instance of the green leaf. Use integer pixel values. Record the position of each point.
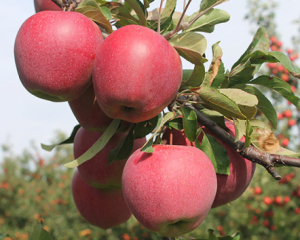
(216, 153)
(205, 4)
(259, 42)
(211, 235)
(244, 69)
(97, 146)
(242, 73)
(68, 140)
(249, 131)
(175, 123)
(124, 149)
(190, 124)
(207, 21)
(214, 66)
(123, 15)
(167, 14)
(264, 104)
(240, 129)
(220, 78)
(144, 128)
(221, 103)
(138, 10)
(278, 85)
(39, 233)
(190, 46)
(148, 145)
(92, 10)
(215, 116)
(240, 97)
(106, 12)
(193, 78)
(285, 61)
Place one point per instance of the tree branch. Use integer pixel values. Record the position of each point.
(251, 153)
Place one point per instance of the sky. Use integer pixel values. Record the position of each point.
(25, 118)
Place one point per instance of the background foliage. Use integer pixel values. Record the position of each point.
(35, 189)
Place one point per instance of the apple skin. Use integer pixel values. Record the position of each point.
(96, 172)
(55, 59)
(171, 190)
(136, 74)
(102, 208)
(230, 187)
(89, 114)
(45, 5)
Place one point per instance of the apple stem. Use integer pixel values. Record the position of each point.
(159, 16)
(171, 137)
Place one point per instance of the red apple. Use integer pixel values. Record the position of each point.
(285, 142)
(96, 172)
(136, 74)
(268, 200)
(230, 187)
(102, 208)
(287, 113)
(55, 52)
(89, 114)
(171, 190)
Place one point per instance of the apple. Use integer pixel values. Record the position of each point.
(55, 52)
(230, 187)
(136, 74)
(45, 5)
(171, 190)
(89, 114)
(102, 208)
(96, 172)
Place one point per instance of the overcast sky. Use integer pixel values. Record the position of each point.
(25, 117)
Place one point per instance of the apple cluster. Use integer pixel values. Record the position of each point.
(131, 75)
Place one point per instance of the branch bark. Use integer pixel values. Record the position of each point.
(251, 153)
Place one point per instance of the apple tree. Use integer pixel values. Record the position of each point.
(154, 140)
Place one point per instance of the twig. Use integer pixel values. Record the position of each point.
(251, 153)
(159, 16)
(182, 26)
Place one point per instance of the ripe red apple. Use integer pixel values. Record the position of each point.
(89, 114)
(285, 142)
(230, 187)
(136, 74)
(287, 113)
(102, 208)
(96, 172)
(45, 5)
(171, 190)
(55, 52)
